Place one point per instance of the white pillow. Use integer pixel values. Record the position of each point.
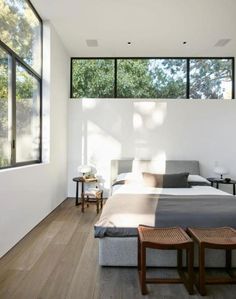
(130, 177)
(197, 178)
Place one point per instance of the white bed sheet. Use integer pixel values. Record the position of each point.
(140, 189)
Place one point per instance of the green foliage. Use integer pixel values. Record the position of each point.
(207, 76)
(134, 79)
(20, 30)
(93, 78)
(3, 161)
(151, 78)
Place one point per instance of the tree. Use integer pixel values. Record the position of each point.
(20, 30)
(208, 77)
(151, 78)
(93, 78)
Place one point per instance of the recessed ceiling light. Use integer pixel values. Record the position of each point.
(91, 42)
(222, 42)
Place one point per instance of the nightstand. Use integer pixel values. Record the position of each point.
(217, 181)
(83, 181)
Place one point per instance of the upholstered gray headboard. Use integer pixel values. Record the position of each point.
(172, 166)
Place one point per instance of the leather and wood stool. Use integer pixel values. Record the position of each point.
(93, 196)
(173, 238)
(215, 238)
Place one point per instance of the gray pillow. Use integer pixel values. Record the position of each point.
(176, 180)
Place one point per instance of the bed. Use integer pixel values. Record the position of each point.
(132, 203)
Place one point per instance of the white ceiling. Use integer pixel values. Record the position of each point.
(155, 27)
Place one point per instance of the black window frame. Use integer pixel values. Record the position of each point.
(134, 58)
(15, 58)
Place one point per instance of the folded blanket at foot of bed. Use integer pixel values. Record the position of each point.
(124, 212)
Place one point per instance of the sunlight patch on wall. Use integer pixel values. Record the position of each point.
(149, 115)
(157, 164)
(101, 148)
(137, 121)
(89, 104)
(160, 162)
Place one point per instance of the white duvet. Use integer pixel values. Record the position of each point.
(135, 186)
(195, 190)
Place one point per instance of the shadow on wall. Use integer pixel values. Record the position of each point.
(111, 131)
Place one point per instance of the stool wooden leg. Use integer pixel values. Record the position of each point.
(101, 200)
(228, 259)
(179, 259)
(202, 278)
(139, 255)
(82, 203)
(143, 270)
(97, 204)
(190, 255)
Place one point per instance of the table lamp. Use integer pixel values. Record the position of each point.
(220, 170)
(84, 169)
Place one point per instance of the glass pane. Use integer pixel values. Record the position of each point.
(5, 109)
(27, 116)
(21, 31)
(151, 78)
(211, 79)
(93, 78)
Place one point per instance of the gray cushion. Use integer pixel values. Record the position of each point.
(177, 180)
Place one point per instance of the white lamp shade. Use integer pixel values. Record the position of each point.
(220, 170)
(84, 168)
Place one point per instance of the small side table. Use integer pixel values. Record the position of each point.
(83, 181)
(222, 181)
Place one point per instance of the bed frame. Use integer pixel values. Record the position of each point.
(123, 251)
(171, 166)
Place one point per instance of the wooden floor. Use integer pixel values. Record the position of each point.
(59, 259)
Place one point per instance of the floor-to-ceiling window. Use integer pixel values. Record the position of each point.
(20, 83)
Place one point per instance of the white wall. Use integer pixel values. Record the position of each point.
(103, 129)
(28, 194)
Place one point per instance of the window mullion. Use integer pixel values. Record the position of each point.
(115, 78)
(13, 96)
(188, 79)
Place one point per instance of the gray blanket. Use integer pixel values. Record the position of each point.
(201, 211)
(124, 212)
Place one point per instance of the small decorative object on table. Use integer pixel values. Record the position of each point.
(220, 170)
(84, 169)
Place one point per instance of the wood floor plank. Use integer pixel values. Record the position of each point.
(59, 260)
(32, 253)
(9, 282)
(83, 282)
(60, 279)
(32, 283)
(13, 255)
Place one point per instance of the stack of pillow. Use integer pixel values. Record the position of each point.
(175, 180)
